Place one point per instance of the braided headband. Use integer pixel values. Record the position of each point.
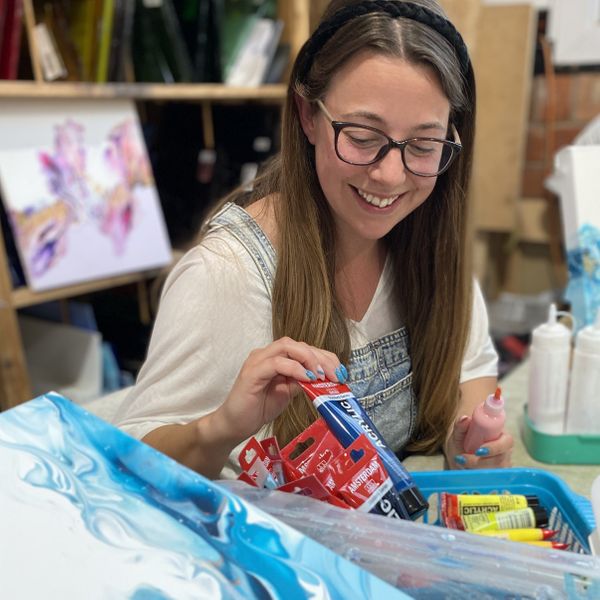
(395, 9)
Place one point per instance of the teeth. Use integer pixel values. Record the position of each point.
(375, 200)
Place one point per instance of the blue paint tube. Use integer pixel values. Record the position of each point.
(347, 419)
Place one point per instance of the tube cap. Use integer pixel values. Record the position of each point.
(414, 502)
(541, 516)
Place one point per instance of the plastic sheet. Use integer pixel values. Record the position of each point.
(85, 507)
(427, 561)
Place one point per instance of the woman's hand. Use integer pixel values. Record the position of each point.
(267, 382)
(264, 386)
(490, 455)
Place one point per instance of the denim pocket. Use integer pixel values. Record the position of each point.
(394, 412)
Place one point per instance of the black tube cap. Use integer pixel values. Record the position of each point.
(414, 502)
(541, 516)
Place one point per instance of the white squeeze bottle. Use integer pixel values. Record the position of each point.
(549, 374)
(583, 410)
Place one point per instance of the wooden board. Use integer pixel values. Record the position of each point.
(503, 69)
(14, 383)
(529, 270)
(536, 221)
(143, 91)
(296, 17)
(465, 15)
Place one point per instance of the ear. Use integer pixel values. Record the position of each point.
(306, 114)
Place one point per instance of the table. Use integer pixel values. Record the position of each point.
(514, 389)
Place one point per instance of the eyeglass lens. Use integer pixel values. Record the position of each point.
(362, 146)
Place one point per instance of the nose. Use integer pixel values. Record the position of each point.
(390, 170)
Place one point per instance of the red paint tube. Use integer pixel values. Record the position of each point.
(362, 481)
(254, 461)
(347, 419)
(311, 451)
(310, 486)
(243, 476)
(271, 447)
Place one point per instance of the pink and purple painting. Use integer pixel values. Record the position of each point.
(78, 188)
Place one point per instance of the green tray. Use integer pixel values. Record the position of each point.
(567, 449)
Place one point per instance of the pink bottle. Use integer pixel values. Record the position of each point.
(487, 424)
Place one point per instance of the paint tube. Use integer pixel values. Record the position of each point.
(310, 452)
(347, 419)
(361, 480)
(271, 447)
(547, 544)
(310, 486)
(456, 506)
(255, 462)
(511, 519)
(530, 534)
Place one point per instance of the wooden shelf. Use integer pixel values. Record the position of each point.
(14, 379)
(142, 91)
(23, 296)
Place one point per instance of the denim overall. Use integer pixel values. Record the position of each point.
(379, 372)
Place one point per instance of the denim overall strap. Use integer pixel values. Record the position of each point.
(247, 231)
(381, 377)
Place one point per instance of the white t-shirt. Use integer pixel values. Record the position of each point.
(214, 310)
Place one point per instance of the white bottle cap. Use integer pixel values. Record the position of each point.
(588, 339)
(552, 333)
(494, 403)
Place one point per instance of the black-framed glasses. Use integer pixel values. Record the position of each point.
(363, 145)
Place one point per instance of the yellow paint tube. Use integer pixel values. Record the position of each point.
(530, 534)
(456, 506)
(512, 519)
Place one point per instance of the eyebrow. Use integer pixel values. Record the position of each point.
(379, 120)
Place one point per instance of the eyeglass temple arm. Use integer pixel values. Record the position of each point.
(456, 136)
(322, 107)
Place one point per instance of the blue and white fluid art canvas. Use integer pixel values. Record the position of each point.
(88, 512)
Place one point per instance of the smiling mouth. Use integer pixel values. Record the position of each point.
(377, 201)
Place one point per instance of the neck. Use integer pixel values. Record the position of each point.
(357, 274)
(351, 253)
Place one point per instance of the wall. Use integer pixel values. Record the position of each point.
(576, 101)
(535, 261)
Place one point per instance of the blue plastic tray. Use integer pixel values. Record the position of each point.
(569, 513)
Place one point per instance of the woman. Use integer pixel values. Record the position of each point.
(348, 261)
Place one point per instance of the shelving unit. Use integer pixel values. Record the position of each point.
(213, 92)
(14, 381)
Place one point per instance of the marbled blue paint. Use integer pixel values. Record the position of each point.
(583, 288)
(133, 502)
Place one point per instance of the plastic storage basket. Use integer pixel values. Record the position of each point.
(569, 513)
(571, 449)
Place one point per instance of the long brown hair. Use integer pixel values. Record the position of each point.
(429, 246)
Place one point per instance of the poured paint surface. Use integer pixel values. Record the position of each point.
(85, 507)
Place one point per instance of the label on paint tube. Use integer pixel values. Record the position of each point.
(347, 420)
(512, 519)
(456, 506)
(362, 481)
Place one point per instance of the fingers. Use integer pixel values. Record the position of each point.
(456, 442)
(460, 430)
(316, 363)
(491, 455)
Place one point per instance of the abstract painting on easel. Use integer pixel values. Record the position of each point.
(78, 189)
